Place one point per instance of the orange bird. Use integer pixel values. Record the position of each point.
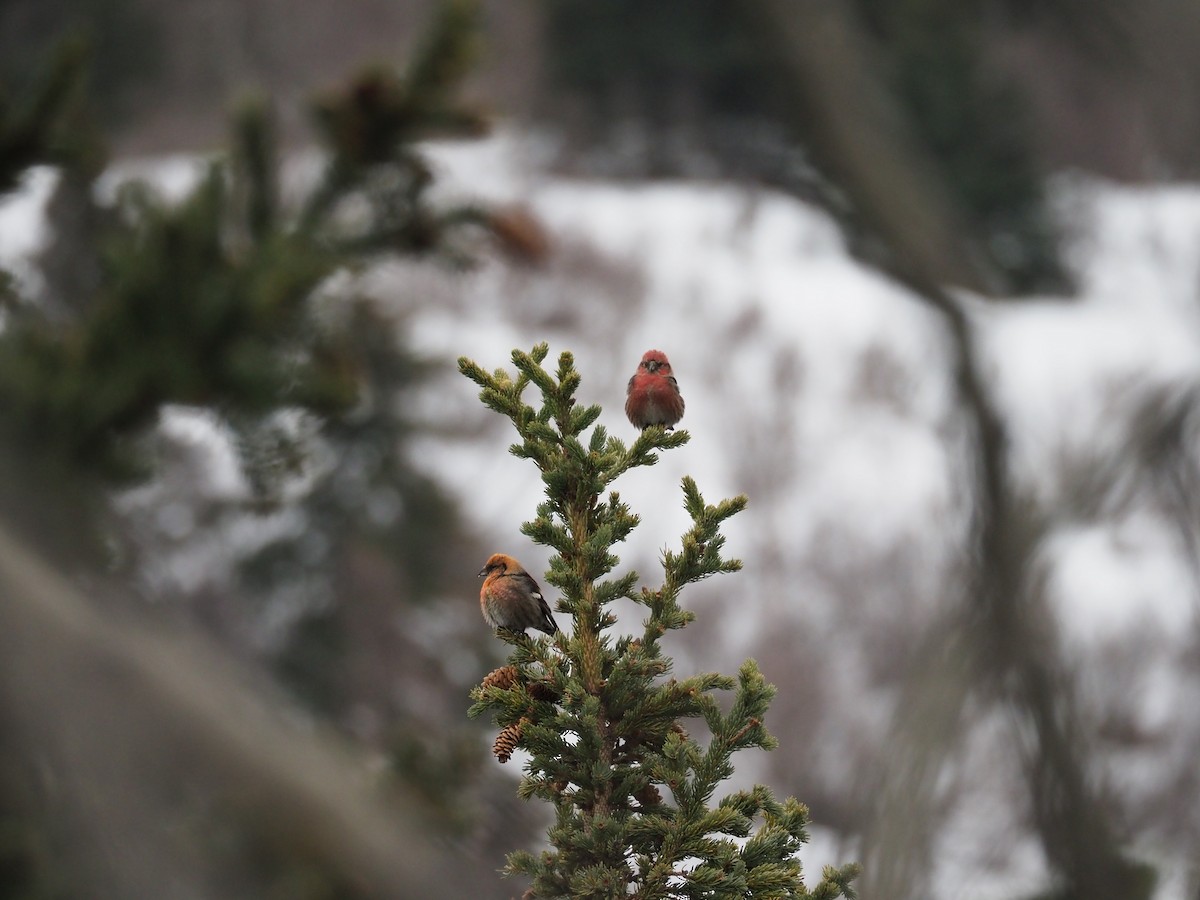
(510, 599)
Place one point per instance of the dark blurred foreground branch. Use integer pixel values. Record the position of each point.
(118, 721)
(858, 136)
(133, 762)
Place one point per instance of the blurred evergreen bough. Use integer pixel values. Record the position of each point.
(599, 721)
(208, 301)
(227, 300)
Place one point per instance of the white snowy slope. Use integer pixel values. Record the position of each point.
(821, 390)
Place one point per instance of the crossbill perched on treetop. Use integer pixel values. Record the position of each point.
(511, 599)
(652, 397)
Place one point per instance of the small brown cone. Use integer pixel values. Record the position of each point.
(541, 690)
(648, 796)
(503, 678)
(520, 235)
(507, 740)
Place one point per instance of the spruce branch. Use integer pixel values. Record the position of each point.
(599, 713)
(255, 165)
(209, 301)
(49, 124)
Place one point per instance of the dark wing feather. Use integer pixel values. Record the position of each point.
(525, 581)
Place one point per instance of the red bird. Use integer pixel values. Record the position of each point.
(511, 599)
(653, 397)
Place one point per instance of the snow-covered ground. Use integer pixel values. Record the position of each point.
(822, 390)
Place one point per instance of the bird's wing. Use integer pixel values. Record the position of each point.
(525, 582)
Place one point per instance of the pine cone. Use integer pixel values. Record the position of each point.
(520, 235)
(648, 796)
(541, 690)
(507, 740)
(503, 678)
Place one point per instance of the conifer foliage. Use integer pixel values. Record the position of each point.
(209, 300)
(599, 714)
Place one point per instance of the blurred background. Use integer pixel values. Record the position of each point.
(927, 272)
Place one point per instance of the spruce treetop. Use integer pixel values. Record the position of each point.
(599, 713)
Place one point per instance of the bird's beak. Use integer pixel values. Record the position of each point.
(483, 571)
(652, 365)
